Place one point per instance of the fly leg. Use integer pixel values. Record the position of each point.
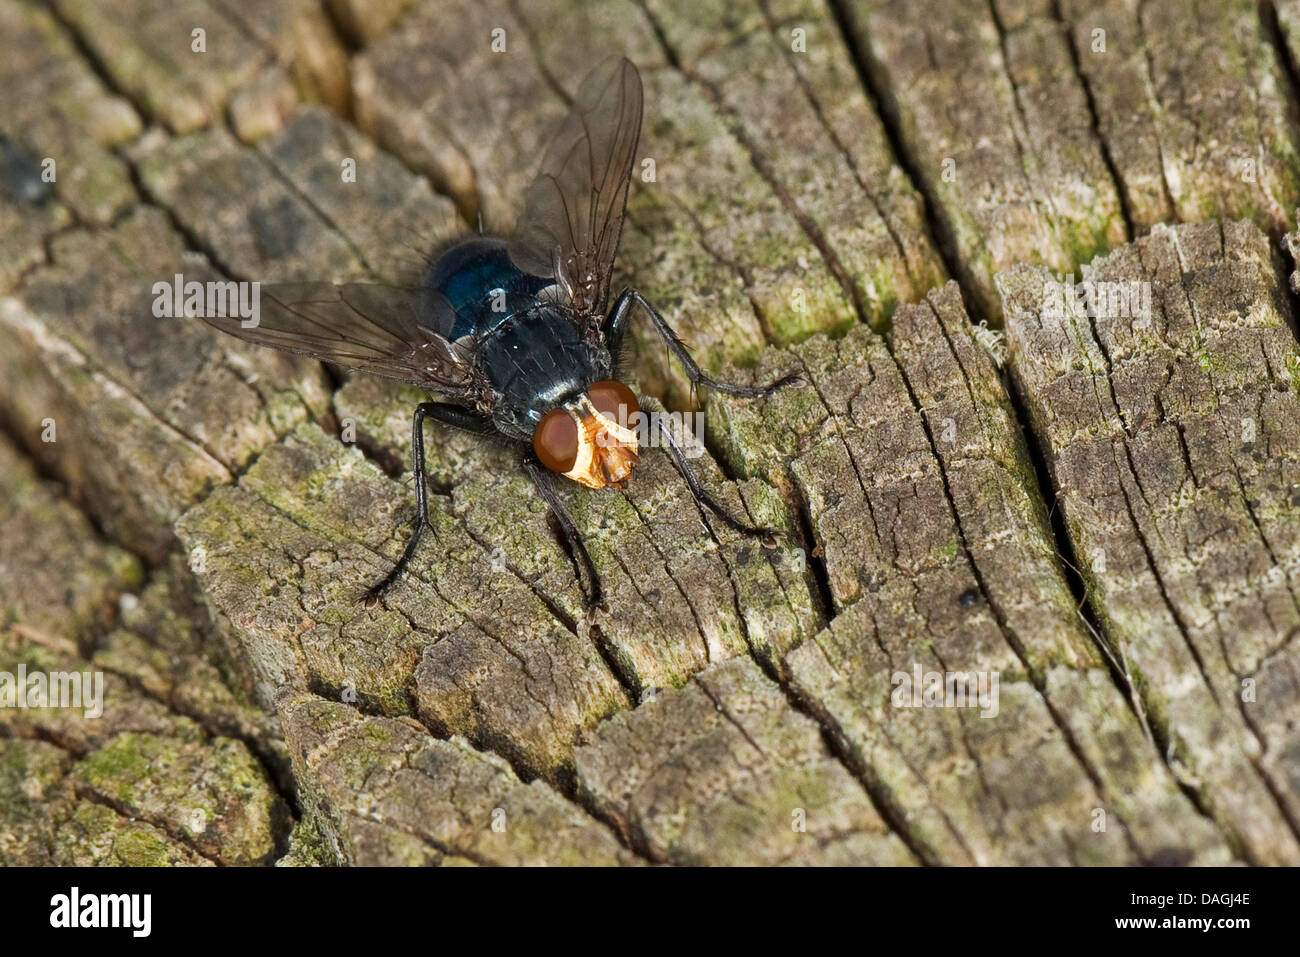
(595, 597)
(616, 326)
(454, 415)
(697, 489)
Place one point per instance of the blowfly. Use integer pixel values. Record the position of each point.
(513, 337)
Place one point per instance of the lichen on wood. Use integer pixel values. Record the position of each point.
(1098, 512)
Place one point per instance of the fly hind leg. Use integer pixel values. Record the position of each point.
(453, 415)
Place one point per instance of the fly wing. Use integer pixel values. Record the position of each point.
(573, 210)
(365, 326)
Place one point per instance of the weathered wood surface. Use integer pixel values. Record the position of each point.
(1104, 513)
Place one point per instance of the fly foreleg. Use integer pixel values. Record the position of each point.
(697, 488)
(595, 597)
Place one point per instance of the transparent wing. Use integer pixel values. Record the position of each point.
(365, 326)
(573, 210)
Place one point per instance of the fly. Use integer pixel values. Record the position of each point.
(513, 337)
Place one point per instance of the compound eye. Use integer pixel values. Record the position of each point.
(556, 440)
(614, 400)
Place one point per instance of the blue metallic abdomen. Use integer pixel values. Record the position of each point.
(477, 288)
